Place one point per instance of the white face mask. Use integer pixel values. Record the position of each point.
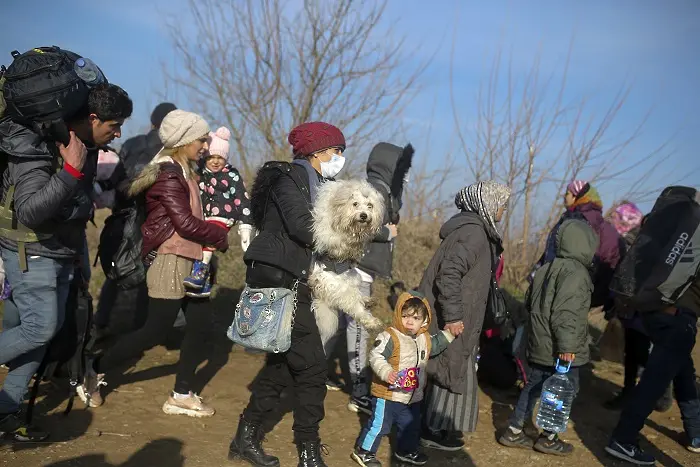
(333, 167)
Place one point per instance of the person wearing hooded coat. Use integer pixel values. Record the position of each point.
(457, 284)
(583, 202)
(627, 220)
(387, 172)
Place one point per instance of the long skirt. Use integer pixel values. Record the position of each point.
(446, 410)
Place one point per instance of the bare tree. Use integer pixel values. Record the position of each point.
(260, 68)
(529, 136)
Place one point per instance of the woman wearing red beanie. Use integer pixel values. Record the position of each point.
(281, 256)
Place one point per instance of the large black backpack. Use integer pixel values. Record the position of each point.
(68, 349)
(41, 89)
(664, 259)
(120, 245)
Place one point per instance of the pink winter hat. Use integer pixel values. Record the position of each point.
(219, 145)
(576, 187)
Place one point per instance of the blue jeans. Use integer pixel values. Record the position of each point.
(32, 316)
(670, 360)
(532, 391)
(385, 414)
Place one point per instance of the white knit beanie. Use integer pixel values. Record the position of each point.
(180, 128)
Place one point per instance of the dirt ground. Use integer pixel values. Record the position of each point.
(130, 430)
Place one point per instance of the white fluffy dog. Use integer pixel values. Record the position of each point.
(347, 215)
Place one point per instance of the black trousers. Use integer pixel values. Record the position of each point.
(670, 361)
(302, 368)
(121, 310)
(161, 316)
(636, 355)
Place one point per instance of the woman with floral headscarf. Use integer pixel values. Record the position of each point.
(582, 201)
(457, 285)
(627, 220)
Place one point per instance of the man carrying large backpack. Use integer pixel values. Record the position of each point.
(47, 192)
(658, 278)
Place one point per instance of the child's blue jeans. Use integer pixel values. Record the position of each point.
(533, 389)
(385, 414)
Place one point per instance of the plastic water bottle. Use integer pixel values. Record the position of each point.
(555, 403)
(88, 71)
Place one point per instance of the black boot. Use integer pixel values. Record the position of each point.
(310, 454)
(247, 445)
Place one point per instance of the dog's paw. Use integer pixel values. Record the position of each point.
(372, 324)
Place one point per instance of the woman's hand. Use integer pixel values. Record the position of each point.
(455, 328)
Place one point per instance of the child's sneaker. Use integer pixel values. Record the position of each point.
(200, 272)
(365, 458)
(694, 445)
(360, 404)
(413, 458)
(630, 453)
(551, 444)
(512, 439)
(205, 292)
(187, 404)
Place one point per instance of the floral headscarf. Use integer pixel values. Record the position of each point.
(484, 199)
(626, 217)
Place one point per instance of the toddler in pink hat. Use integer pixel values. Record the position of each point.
(225, 202)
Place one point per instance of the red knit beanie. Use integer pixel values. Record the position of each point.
(312, 137)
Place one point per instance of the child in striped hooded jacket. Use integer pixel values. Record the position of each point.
(398, 360)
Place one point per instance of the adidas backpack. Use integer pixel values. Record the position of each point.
(664, 259)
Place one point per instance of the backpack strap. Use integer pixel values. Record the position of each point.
(14, 230)
(39, 375)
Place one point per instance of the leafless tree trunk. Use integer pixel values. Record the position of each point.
(260, 68)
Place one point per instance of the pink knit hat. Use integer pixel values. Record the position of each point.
(576, 186)
(218, 144)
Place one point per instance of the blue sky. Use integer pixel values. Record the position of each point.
(652, 46)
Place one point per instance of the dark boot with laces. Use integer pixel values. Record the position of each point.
(247, 445)
(310, 453)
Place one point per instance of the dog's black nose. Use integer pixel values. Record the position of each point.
(363, 216)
